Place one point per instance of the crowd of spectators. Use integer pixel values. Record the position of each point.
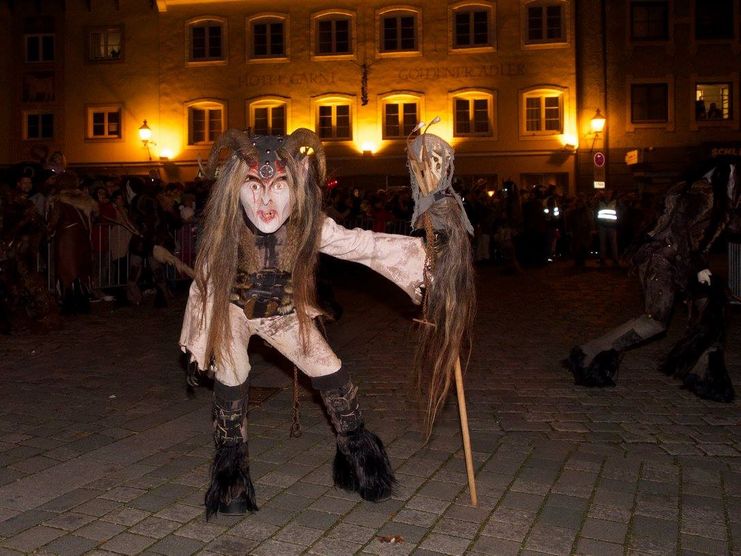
(126, 216)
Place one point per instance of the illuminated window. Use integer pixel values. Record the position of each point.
(105, 43)
(649, 20)
(334, 121)
(649, 103)
(205, 122)
(333, 35)
(472, 115)
(713, 101)
(268, 37)
(38, 125)
(545, 23)
(543, 112)
(472, 27)
(268, 117)
(39, 47)
(103, 122)
(714, 19)
(398, 32)
(399, 118)
(206, 40)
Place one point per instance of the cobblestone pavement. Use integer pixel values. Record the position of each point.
(102, 452)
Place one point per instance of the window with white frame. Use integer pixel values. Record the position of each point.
(714, 19)
(207, 37)
(105, 44)
(545, 22)
(205, 122)
(268, 37)
(39, 47)
(649, 103)
(400, 116)
(334, 120)
(472, 114)
(713, 102)
(398, 32)
(333, 35)
(543, 112)
(472, 27)
(649, 20)
(268, 117)
(38, 125)
(103, 122)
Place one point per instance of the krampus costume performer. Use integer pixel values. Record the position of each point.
(255, 274)
(672, 263)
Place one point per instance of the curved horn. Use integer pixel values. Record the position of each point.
(235, 140)
(303, 137)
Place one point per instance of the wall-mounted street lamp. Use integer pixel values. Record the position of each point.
(145, 134)
(598, 123)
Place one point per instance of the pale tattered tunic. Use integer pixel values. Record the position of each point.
(401, 259)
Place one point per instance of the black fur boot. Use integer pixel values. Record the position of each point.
(361, 464)
(600, 372)
(231, 490)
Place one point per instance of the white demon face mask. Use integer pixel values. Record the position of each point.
(267, 202)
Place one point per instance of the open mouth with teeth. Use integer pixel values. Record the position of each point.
(267, 215)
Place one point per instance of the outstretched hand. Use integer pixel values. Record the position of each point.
(704, 276)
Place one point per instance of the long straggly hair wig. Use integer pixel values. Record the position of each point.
(450, 292)
(225, 227)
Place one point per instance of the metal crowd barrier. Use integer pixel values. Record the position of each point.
(734, 269)
(111, 260)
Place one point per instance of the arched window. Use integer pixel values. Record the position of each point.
(333, 33)
(473, 114)
(542, 111)
(268, 115)
(206, 39)
(267, 36)
(473, 25)
(205, 121)
(401, 113)
(545, 22)
(398, 30)
(333, 115)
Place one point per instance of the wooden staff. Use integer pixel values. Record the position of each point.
(427, 184)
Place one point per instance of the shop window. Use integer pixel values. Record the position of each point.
(714, 19)
(399, 118)
(39, 47)
(268, 117)
(713, 102)
(649, 20)
(268, 37)
(334, 120)
(545, 23)
(103, 122)
(205, 122)
(206, 40)
(105, 44)
(398, 32)
(649, 103)
(472, 27)
(38, 125)
(333, 35)
(472, 114)
(543, 112)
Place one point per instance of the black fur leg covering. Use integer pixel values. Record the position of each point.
(361, 464)
(231, 490)
(600, 372)
(709, 379)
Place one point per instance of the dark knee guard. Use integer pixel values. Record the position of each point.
(361, 463)
(231, 490)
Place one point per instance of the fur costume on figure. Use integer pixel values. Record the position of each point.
(672, 264)
(255, 274)
(438, 210)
